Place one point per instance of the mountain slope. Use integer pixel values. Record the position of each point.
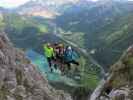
(105, 28)
(119, 83)
(23, 29)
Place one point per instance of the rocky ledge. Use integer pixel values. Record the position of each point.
(119, 83)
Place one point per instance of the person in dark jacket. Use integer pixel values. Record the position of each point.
(69, 57)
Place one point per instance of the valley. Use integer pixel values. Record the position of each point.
(98, 31)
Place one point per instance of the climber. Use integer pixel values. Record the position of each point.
(69, 57)
(59, 54)
(49, 53)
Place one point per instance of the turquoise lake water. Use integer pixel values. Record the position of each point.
(42, 65)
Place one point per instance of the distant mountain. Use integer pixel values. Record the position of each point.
(50, 8)
(43, 8)
(33, 8)
(4, 10)
(105, 28)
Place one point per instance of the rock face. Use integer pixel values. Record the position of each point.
(119, 84)
(20, 80)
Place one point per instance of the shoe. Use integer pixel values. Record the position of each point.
(51, 70)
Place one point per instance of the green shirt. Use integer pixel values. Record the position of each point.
(49, 52)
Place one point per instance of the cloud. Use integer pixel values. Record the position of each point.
(12, 3)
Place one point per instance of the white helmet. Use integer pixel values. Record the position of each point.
(69, 48)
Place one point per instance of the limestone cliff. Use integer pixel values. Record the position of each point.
(119, 84)
(20, 80)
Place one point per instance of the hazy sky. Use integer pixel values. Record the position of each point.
(12, 3)
(15, 3)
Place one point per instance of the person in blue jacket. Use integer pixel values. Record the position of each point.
(70, 57)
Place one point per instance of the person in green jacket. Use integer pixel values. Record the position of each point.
(49, 53)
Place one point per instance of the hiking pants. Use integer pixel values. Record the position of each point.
(72, 62)
(50, 59)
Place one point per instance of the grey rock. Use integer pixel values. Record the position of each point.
(118, 85)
